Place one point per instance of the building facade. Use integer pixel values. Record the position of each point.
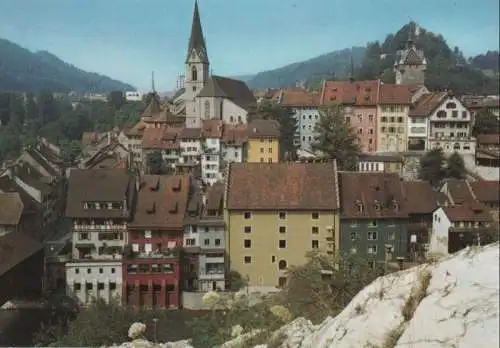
(276, 213)
(410, 64)
(100, 202)
(263, 141)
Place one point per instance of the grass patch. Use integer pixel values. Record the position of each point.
(417, 294)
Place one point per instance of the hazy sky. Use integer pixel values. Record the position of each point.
(127, 39)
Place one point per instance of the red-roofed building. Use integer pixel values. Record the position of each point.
(488, 150)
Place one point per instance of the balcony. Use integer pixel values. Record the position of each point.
(211, 276)
(168, 254)
(77, 228)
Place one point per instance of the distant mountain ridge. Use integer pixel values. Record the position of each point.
(24, 71)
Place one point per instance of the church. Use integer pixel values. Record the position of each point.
(206, 96)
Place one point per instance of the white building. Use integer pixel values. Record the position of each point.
(233, 143)
(99, 205)
(190, 145)
(305, 108)
(133, 96)
(211, 156)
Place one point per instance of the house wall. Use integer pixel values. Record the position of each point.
(439, 237)
(264, 150)
(193, 87)
(210, 161)
(354, 237)
(364, 122)
(104, 278)
(417, 132)
(306, 117)
(392, 128)
(232, 153)
(265, 253)
(190, 150)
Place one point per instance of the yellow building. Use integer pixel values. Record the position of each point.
(275, 213)
(263, 141)
(392, 117)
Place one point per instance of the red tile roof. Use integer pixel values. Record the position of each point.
(394, 94)
(459, 191)
(286, 186)
(372, 196)
(486, 191)
(190, 134)
(161, 202)
(160, 138)
(212, 129)
(299, 98)
(427, 103)
(466, 213)
(263, 128)
(420, 197)
(488, 139)
(235, 134)
(362, 93)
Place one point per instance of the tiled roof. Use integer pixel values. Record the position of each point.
(286, 186)
(362, 93)
(11, 208)
(413, 58)
(372, 196)
(420, 197)
(235, 90)
(459, 191)
(394, 94)
(136, 130)
(160, 138)
(190, 133)
(235, 134)
(15, 248)
(488, 139)
(153, 107)
(35, 154)
(486, 191)
(162, 201)
(98, 185)
(207, 204)
(9, 185)
(299, 98)
(212, 129)
(263, 128)
(466, 213)
(427, 103)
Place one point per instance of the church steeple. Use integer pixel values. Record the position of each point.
(196, 40)
(410, 43)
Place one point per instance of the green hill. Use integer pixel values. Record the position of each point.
(24, 71)
(312, 71)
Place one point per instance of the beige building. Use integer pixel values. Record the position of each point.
(277, 212)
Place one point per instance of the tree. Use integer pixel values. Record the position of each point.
(70, 150)
(431, 167)
(455, 166)
(336, 138)
(155, 163)
(485, 123)
(325, 284)
(288, 126)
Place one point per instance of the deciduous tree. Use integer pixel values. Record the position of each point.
(485, 123)
(336, 138)
(432, 167)
(455, 166)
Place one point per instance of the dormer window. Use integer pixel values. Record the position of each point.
(377, 206)
(85, 205)
(360, 207)
(395, 205)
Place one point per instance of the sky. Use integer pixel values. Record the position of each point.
(128, 39)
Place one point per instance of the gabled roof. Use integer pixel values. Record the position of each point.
(427, 103)
(488, 139)
(299, 98)
(235, 134)
(11, 208)
(212, 129)
(9, 185)
(394, 94)
(190, 133)
(153, 107)
(160, 138)
(420, 197)
(235, 90)
(16, 247)
(413, 58)
(486, 191)
(259, 128)
(161, 201)
(372, 196)
(286, 186)
(196, 40)
(42, 161)
(467, 213)
(359, 93)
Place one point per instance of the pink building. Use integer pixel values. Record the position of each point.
(360, 102)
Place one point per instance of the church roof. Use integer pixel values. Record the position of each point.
(153, 107)
(196, 40)
(235, 90)
(413, 58)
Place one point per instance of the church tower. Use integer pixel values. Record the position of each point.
(197, 70)
(410, 64)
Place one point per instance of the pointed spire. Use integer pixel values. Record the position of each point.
(196, 40)
(153, 82)
(153, 107)
(410, 42)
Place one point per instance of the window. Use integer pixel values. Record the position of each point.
(77, 286)
(113, 270)
(247, 243)
(372, 235)
(282, 264)
(168, 268)
(194, 74)
(217, 242)
(372, 249)
(372, 223)
(281, 282)
(247, 215)
(77, 271)
(315, 230)
(282, 229)
(207, 110)
(391, 235)
(261, 150)
(315, 216)
(269, 160)
(282, 215)
(371, 264)
(282, 244)
(100, 286)
(248, 229)
(100, 270)
(270, 150)
(190, 241)
(89, 270)
(206, 241)
(354, 236)
(247, 259)
(315, 244)
(89, 286)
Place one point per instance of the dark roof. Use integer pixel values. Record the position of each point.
(235, 134)
(287, 186)
(413, 58)
(11, 208)
(486, 191)
(381, 157)
(30, 176)
(420, 197)
(37, 156)
(467, 213)
(15, 247)
(258, 128)
(9, 185)
(161, 201)
(190, 133)
(235, 90)
(153, 107)
(361, 194)
(459, 191)
(488, 139)
(98, 185)
(178, 93)
(394, 94)
(196, 40)
(206, 207)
